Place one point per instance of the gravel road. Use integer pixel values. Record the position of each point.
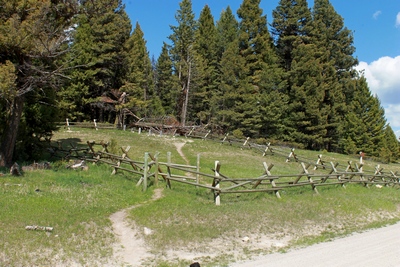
(379, 247)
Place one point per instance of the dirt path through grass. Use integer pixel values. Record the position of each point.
(130, 249)
(179, 149)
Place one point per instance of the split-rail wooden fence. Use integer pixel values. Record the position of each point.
(312, 175)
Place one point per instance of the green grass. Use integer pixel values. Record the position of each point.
(78, 205)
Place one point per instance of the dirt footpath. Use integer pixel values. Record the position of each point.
(380, 247)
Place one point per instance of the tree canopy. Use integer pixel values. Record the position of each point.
(289, 78)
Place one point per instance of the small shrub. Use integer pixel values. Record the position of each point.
(113, 146)
(261, 141)
(238, 134)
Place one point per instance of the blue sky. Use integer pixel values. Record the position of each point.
(375, 26)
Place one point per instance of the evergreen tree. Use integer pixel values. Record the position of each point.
(336, 37)
(183, 37)
(229, 93)
(139, 83)
(390, 152)
(205, 80)
(273, 103)
(230, 69)
(365, 122)
(38, 122)
(308, 112)
(167, 83)
(305, 74)
(256, 48)
(335, 43)
(290, 27)
(255, 43)
(33, 38)
(227, 31)
(102, 29)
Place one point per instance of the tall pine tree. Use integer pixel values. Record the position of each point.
(335, 43)
(231, 71)
(365, 122)
(98, 58)
(167, 84)
(139, 84)
(205, 80)
(255, 46)
(183, 38)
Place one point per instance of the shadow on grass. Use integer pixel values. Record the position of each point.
(64, 149)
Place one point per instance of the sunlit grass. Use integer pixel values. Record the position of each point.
(78, 203)
(75, 203)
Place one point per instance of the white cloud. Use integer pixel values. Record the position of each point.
(391, 112)
(392, 116)
(383, 76)
(398, 20)
(376, 14)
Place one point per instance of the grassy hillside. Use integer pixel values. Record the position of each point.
(184, 220)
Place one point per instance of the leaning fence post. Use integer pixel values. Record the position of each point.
(245, 142)
(146, 166)
(69, 129)
(268, 173)
(225, 137)
(266, 149)
(292, 154)
(205, 137)
(216, 193)
(319, 162)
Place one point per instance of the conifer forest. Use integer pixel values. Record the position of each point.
(287, 78)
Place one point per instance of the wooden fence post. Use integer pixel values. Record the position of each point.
(145, 169)
(292, 154)
(205, 137)
(216, 185)
(225, 137)
(245, 142)
(310, 180)
(68, 128)
(394, 174)
(198, 168)
(156, 171)
(272, 181)
(188, 134)
(169, 169)
(124, 154)
(319, 162)
(359, 169)
(266, 149)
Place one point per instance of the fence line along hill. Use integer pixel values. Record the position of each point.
(312, 174)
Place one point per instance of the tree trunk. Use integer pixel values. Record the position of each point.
(186, 100)
(10, 133)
